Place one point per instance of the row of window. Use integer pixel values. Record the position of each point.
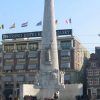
(94, 72)
(18, 78)
(95, 81)
(32, 65)
(33, 46)
(65, 54)
(32, 54)
(21, 67)
(95, 91)
(21, 47)
(21, 61)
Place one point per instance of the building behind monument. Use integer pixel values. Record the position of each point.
(20, 59)
(93, 75)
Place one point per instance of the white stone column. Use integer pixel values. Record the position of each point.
(49, 67)
(49, 39)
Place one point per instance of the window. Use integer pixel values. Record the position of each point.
(32, 66)
(89, 92)
(21, 47)
(33, 54)
(90, 72)
(8, 85)
(20, 67)
(7, 67)
(8, 55)
(9, 47)
(20, 78)
(65, 53)
(96, 72)
(7, 78)
(67, 79)
(93, 64)
(98, 93)
(33, 46)
(65, 65)
(94, 91)
(33, 61)
(21, 61)
(65, 44)
(20, 55)
(31, 78)
(96, 81)
(9, 62)
(90, 81)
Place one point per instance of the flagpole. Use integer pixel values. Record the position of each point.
(71, 24)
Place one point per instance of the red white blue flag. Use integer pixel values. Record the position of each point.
(24, 24)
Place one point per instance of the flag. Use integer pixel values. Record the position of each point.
(39, 23)
(56, 21)
(68, 21)
(24, 24)
(12, 26)
(1, 26)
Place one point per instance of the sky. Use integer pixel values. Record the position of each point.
(85, 16)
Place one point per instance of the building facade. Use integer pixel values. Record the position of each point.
(93, 75)
(20, 59)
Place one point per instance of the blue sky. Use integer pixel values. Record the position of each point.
(85, 15)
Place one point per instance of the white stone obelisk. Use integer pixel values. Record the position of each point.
(49, 67)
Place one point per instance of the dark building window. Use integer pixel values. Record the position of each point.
(97, 50)
(90, 81)
(9, 47)
(21, 47)
(65, 53)
(33, 46)
(65, 65)
(90, 72)
(93, 64)
(8, 85)
(98, 93)
(89, 93)
(67, 79)
(65, 44)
